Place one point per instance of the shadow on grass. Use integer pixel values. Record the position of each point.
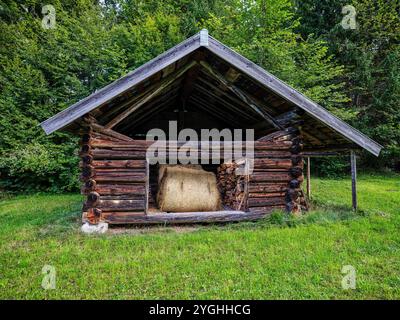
(62, 219)
(318, 215)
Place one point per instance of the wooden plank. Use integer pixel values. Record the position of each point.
(137, 164)
(266, 201)
(353, 160)
(187, 217)
(163, 84)
(138, 190)
(110, 132)
(118, 205)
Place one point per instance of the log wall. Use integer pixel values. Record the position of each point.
(278, 173)
(115, 176)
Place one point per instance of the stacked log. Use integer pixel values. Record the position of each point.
(278, 173)
(233, 187)
(114, 177)
(294, 192)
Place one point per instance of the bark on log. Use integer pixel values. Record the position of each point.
(137, 164)
(118, 189)
(117, 205)
(267, 187)
(270, 177)
(262, 202)
(123, 155)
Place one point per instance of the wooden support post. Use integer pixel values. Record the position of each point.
(308, 178)
(353, 179)
(147, 188)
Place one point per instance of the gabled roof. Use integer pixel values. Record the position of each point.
(250, 69)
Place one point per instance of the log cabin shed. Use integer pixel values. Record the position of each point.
(200, 83)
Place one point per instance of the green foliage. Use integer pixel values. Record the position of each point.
(43, 71)
(37, 167)
(371, 58)
(265, 33)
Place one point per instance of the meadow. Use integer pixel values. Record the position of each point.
(278, 257)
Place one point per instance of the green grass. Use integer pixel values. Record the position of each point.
(296, 258)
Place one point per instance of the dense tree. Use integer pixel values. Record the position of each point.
(370, 54)
(44, 70)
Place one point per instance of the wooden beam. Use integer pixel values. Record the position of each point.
(154, 106)
(241, 95)
(232, 75)
(353, 160)
(110, 132)
(308, 178)
(136, 97)
(228, 119)
(163, 84)
(184, 217)
(223, 90)
(220, 92)
(223, 101)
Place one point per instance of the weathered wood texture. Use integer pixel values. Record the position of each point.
(185, 217)
(353, 160)
(308, 178)
(117, 183)
(276, 181)
(115, 180)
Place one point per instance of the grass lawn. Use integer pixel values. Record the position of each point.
(297, 258)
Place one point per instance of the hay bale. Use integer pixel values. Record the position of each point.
(187, 189)
(162, 167)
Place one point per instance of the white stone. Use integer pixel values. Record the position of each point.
(101, 227)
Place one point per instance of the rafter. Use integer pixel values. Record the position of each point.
(223, 101)
(162, 85)
(241, 95)
(223, 116)
(163, 101)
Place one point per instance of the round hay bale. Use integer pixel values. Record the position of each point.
(185, 189)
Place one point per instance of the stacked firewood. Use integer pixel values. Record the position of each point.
(233, 187)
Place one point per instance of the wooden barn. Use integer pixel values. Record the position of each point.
(200, 84)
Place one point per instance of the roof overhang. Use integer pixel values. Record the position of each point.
(255, 72)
